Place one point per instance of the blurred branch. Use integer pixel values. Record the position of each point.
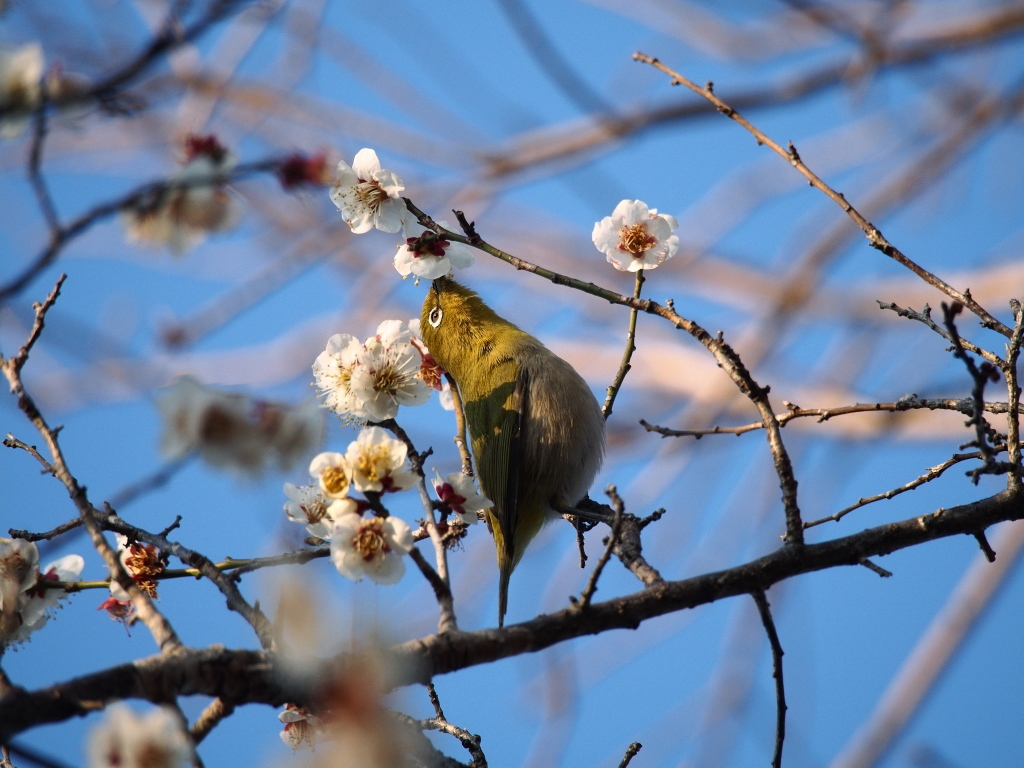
(64, 234)
(1010, 104)
(933, 653)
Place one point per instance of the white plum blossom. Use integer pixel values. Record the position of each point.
(367, 195)
(235, 431)
(127, 740)
(333, 372)
(142, 562)
(459, 493)
(388, 373)
(307, 505)
(302, 729)
(332, 473)
(377, 462)
(371, 547)
(635, 237)
(21, 70)
(194, 203)
(369, 381)
(39, 603)
(19, 569)
(433, 256)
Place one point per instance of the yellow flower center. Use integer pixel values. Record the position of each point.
(370, 194)
(369, 541)
(635, 240)
(335, 481)
(373, 463)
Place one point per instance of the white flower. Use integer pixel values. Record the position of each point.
(377, 462)
(126, 740)
(302, 728)
(332, 473)
(371, 547)
(433, 257)
(142, 562)
(195, 201)
(333, 372)
(459, 492)
(19, 569)
(38, 603)
(387, 375)
(635, 237)
(307, 505)
(368, 195)
(21, 71)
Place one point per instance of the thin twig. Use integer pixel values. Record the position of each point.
(442, 591)
(907, 403)
(624, 366)
(931, 474)
(613, 539)
(780, 691)
(1013, 476)
(873, 234)
(439, 723)
(925, 317)
(12, 442)
(631, 752)
(876, 568)
(460, 427)
(70, 525)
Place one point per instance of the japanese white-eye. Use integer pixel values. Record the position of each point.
(536, 430)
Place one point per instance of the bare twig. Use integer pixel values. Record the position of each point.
(875, 568)
(780, 691)
(624, 366)
(907, 403)
(631, 752)
(873, 234)
(925, 317)
(927, 477)
(1013, 476)
(460, 428)
(442, 592)
(12, 442)
(70, 525)
(439, 723)
(610, 543)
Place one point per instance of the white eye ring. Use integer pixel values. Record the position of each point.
(434, 318)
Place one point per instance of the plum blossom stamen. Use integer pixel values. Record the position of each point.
(369, 541)
(633, 239)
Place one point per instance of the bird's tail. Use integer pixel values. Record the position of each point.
(504, 572)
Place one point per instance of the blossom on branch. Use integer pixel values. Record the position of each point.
(428, 255)
(21, 71)
(333, 474)
(40, 602)
(459, 493)
(25, 603)
(369, 381)
(307, 505)
(367, 195)
(302, 729)
(377, 462)
(194, 202)
(371, 547)
(143, 562)
(127, 740)
(635, 237)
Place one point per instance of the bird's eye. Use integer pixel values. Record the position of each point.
(434, 318)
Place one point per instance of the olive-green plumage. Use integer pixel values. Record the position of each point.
(536, 430)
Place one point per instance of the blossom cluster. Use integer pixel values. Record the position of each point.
(22, 88)
(360, 546)
(194, 202)
(369, 197)
(25, 604)
(367, 381)
(236, 431)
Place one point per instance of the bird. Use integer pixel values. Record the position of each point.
(535, 427)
